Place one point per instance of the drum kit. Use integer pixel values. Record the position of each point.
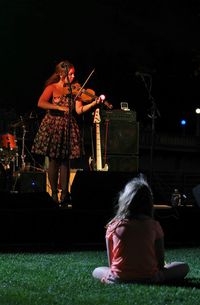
(8, 159)
(12, 155)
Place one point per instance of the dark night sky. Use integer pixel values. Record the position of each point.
(117, 38)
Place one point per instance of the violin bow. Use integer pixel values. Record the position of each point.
(84, 84)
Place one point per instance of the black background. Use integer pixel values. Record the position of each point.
(117, 39)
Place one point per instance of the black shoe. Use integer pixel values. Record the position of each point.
(65, 197)
(63, 205)
(66, 202)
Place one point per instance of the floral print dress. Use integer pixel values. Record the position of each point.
(58, 136)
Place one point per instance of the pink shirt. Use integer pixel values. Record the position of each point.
(132, 250)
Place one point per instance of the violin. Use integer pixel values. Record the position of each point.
(86, 95)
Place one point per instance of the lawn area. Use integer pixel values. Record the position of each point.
(64, 278)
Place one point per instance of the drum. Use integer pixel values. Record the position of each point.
(8, 148)
(8, 141)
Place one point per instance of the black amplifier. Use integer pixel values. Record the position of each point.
(119, 115)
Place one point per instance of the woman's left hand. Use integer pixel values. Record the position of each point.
(98, 100)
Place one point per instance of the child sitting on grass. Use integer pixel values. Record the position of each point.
(135, 241)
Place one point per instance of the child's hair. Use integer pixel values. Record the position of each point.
(135, 199)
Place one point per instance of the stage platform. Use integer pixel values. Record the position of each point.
(33, 219)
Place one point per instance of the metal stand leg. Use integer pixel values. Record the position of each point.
(23, 156)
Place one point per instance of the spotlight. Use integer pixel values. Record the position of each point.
(183, 122)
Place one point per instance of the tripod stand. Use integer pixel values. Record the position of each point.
(23, 156)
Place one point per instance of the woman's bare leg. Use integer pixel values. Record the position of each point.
(53, 170)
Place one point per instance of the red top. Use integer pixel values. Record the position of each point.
(132, 248)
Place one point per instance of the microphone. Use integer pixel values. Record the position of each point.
(137, 73)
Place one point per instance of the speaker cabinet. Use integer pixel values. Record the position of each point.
(36, 200)
(31, 182)
(97, 190)
(196, 194)
(120, 133)
(123, 163)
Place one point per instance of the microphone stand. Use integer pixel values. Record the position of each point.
(154, 113)
(153, 116)
(69, 128)
(83, 126)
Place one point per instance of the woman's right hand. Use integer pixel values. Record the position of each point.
(62, 108)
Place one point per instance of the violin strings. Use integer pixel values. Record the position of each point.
(84, 84)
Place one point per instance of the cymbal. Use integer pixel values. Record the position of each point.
(17, 124)
(22, 122)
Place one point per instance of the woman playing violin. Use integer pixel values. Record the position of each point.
(58, 136)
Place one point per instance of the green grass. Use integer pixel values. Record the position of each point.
(65, 279)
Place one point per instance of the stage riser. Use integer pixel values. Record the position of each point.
(22, 222)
